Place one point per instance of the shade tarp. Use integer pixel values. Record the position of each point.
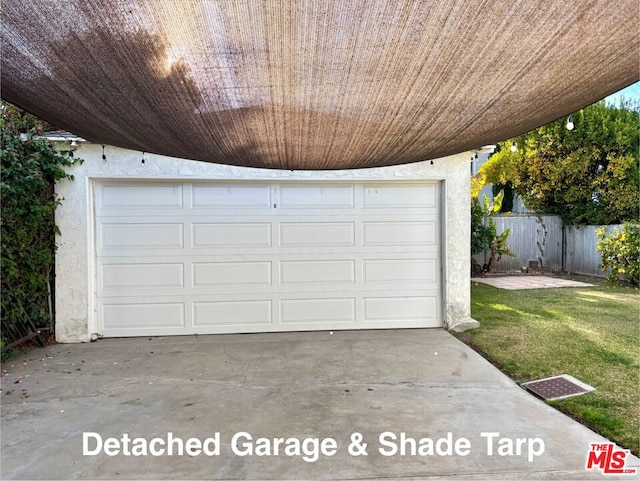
(312, 84)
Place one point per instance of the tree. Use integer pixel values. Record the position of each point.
(589, 175)
(18, 121)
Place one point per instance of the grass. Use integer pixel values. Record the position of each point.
(592, 334)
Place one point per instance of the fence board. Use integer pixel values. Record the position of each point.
(539, 238)
(582, 256)
(532, 238)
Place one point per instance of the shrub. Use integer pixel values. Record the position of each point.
(481, 235)
(621, 253)
(30, 168)
(485, 237)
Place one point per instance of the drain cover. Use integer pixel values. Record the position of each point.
(557, 387)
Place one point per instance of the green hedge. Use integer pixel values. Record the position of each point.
(30, 169)
(621, 253)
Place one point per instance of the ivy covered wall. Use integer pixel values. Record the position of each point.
(30, 167)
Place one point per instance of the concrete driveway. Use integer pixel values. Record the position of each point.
(424, 383)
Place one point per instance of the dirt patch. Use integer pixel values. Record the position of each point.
(47, 337)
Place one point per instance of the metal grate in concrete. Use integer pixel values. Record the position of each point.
(557, 387)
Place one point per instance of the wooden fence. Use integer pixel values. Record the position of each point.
(544, 238)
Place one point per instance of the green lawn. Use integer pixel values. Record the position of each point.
(592, 334)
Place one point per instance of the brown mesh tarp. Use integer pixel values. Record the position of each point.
(312, 84)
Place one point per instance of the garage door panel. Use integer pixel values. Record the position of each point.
(242, 257)
(143, 315)
(140, 236)
(231, 274)
(393, 233)
(306, 234)
(223, 196)
(400, 196)
(232, 313)
(317, 272)
(399, 309)
(327, 310)
(136, 195)
(234, 235)
(316, 196)
(119, 276)
(400, 270)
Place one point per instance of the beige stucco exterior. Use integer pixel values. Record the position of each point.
(75, 258)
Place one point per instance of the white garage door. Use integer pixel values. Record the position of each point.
(220, 257)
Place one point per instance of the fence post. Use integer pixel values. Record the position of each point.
(563, 247)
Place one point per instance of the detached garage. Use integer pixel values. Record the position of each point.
(173, 246)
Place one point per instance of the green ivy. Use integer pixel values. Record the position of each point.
(29, 170)
(621, 253)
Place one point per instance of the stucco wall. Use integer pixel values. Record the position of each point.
(75, 259)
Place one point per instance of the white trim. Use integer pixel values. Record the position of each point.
(444, 251)
(92, 281)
